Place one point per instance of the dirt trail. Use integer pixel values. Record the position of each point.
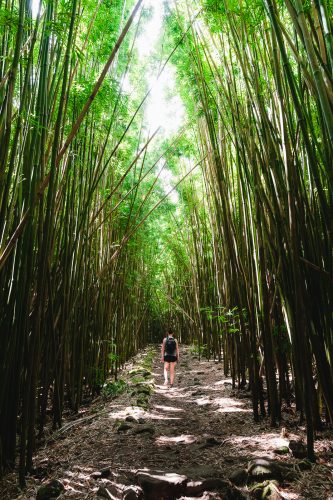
(201, 428)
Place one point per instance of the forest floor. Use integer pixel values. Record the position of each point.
(201, 429)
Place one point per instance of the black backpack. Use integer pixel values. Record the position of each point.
(170, 346)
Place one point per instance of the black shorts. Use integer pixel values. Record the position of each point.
(169, 358)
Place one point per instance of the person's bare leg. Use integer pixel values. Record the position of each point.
(172, 372)
(166, 368)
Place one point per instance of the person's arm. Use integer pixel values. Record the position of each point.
(177, 350)
(162, 350)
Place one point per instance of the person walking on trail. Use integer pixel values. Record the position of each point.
(169, 356)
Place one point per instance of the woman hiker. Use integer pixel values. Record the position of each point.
(169, 356)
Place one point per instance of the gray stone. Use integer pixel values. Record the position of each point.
(130, 419)
(239, 477)
(52, 489)
(106, 472)
(141, 420)
(197, 487)
(194, 488)
(211, 441)
(103, 492)
(110, 490)
(124, 426)
(124, 477)
(298, 449)
(261, 469)
(132, 493)
(161, 485)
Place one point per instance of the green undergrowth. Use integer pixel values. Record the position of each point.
(114, 388)
(141, 380)
(198, 350)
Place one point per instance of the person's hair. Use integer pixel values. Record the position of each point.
(169, 330)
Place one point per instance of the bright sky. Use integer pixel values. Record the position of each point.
(34, 8)
(164, 106)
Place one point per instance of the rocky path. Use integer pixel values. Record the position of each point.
(196, 440)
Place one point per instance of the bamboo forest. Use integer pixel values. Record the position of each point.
(166, 168)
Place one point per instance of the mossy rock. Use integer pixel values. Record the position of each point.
(298, 449)
(144, 389)
(137, 379)
(143, 405)
(266, 490)
(144, 429)
(142, 401)
(140, 372)
(124, 426)
(52, 489)
(135, 372)
(261, 469)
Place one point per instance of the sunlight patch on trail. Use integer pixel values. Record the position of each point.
(182, 439)
(168, 408)
(175, 393)
(226, 381)
(230, 405)
(203, 401)
(137, 412)
(261, 444)
(129, 411)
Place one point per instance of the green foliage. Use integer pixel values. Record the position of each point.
(147, 363)
(198, 350)
(8, 18)
(111, 389)
(98, 376)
